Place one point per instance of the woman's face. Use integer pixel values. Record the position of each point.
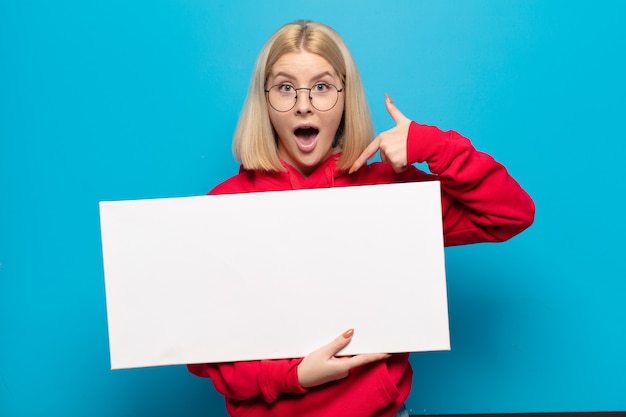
(305, 134)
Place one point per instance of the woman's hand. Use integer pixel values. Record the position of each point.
(391, 143)
(322, 366)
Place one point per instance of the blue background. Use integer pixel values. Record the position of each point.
(139, 99)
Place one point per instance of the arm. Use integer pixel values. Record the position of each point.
(244, 380)
(268, 378)
(481, 202)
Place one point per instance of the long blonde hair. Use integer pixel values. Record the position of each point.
(254, 142)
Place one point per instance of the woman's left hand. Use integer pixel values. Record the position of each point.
(391, 143)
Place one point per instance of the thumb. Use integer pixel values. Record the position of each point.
(393, 111)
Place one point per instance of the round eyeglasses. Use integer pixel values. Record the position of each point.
(283, 97)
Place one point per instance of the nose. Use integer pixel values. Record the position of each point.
(303, 101)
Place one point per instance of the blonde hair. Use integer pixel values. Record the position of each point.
(254, 142)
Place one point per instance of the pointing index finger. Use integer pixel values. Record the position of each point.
(369, 152)
(393, 111)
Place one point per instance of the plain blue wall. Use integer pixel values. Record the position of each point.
(138, 99)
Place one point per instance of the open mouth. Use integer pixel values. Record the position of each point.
(306, 137)
(306, 133)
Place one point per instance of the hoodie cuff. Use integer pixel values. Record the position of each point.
(279, 376)
(424, 142)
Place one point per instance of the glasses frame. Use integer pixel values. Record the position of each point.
(267, 91)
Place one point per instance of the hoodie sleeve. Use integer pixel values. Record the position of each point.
(481, 202)
(245, 380)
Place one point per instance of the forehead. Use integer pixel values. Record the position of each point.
(302, 65)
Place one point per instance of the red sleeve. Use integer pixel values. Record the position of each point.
(244, 380)
(481, 202)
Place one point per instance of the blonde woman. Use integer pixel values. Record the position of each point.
(306, 124)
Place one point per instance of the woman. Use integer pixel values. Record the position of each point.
(306, 124)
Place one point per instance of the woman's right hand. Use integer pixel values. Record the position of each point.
(322, 366)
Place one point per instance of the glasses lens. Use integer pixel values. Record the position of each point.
(324, 96)
(284, 97)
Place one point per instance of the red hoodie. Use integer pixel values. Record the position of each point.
(481, 202)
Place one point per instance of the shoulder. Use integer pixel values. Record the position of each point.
(240, 183)
(249, 181)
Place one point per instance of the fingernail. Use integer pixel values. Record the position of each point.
(348, 334)
(388, 98)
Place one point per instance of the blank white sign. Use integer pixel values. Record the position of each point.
(274, 275)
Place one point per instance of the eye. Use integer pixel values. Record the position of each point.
(285, 88)
(321, 87)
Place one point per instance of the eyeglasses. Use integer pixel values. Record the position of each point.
(283, 97)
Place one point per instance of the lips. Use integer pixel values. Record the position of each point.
(306, 137)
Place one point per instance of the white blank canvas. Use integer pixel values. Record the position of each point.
(274, 274)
